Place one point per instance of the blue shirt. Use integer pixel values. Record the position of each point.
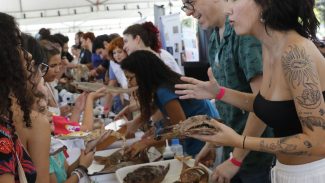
(191, 107)
(111, 73)
(96, 61)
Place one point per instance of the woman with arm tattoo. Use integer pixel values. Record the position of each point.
(291, 98)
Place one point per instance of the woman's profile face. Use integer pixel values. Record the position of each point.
(130, 43)
(119, 54)
(54, 68)
(244, 16)
(31, 71)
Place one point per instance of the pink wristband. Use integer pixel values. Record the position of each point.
(221, 93)
(234, 161)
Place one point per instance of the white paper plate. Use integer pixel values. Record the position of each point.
(172, 175)
(95, 167)
(111, 178)
(115, 125)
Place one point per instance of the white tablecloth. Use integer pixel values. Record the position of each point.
(111, 178)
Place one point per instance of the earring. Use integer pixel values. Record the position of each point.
(262, 20)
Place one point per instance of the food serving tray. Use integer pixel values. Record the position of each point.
(172, 175)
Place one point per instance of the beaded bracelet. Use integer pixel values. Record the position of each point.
(83, 168)
(77, 173)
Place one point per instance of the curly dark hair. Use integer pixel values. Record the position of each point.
(34, 48)
(287, 15)
(150, 73)
(13, 75)
(148, 33)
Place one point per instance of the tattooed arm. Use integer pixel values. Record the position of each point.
(304, 83)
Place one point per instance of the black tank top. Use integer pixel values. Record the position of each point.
(279, 115)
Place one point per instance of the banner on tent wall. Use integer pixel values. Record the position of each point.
(171, 34)
(189, 51)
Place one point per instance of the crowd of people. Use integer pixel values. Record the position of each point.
(266, 78)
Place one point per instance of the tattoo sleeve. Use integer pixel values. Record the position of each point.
(287, 146)
(304, 82)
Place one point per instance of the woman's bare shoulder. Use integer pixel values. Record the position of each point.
(301, 48)
(39, 121)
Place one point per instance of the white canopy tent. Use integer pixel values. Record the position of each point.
(69, 16)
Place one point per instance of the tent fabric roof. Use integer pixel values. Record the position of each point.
(72, 15)
(26, 10)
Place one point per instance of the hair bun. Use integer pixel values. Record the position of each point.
(150, 27)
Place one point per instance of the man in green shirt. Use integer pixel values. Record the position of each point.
(236, 63)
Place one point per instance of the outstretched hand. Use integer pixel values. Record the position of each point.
(136, 148)
(224, 172)
(222, 136)
(81, 101)
(206, 156)
(122, 114)
(198, 89)
(131, 126)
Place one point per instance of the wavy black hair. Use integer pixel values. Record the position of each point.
(150, 73)
(287, 15)
(13, 75)
(33, 47)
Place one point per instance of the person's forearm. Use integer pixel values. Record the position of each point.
(238, 99)
(108, 102)
(133, 107)
(72, 179)
(73, 166)
(88, 119)
(255, 128)
(151, 142)
(138, 120)
(75, 115)
(296, 145)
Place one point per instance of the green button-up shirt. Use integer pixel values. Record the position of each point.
(234, 61)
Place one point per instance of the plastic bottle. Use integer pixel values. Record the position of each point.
(168, 153)
(176, 147)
